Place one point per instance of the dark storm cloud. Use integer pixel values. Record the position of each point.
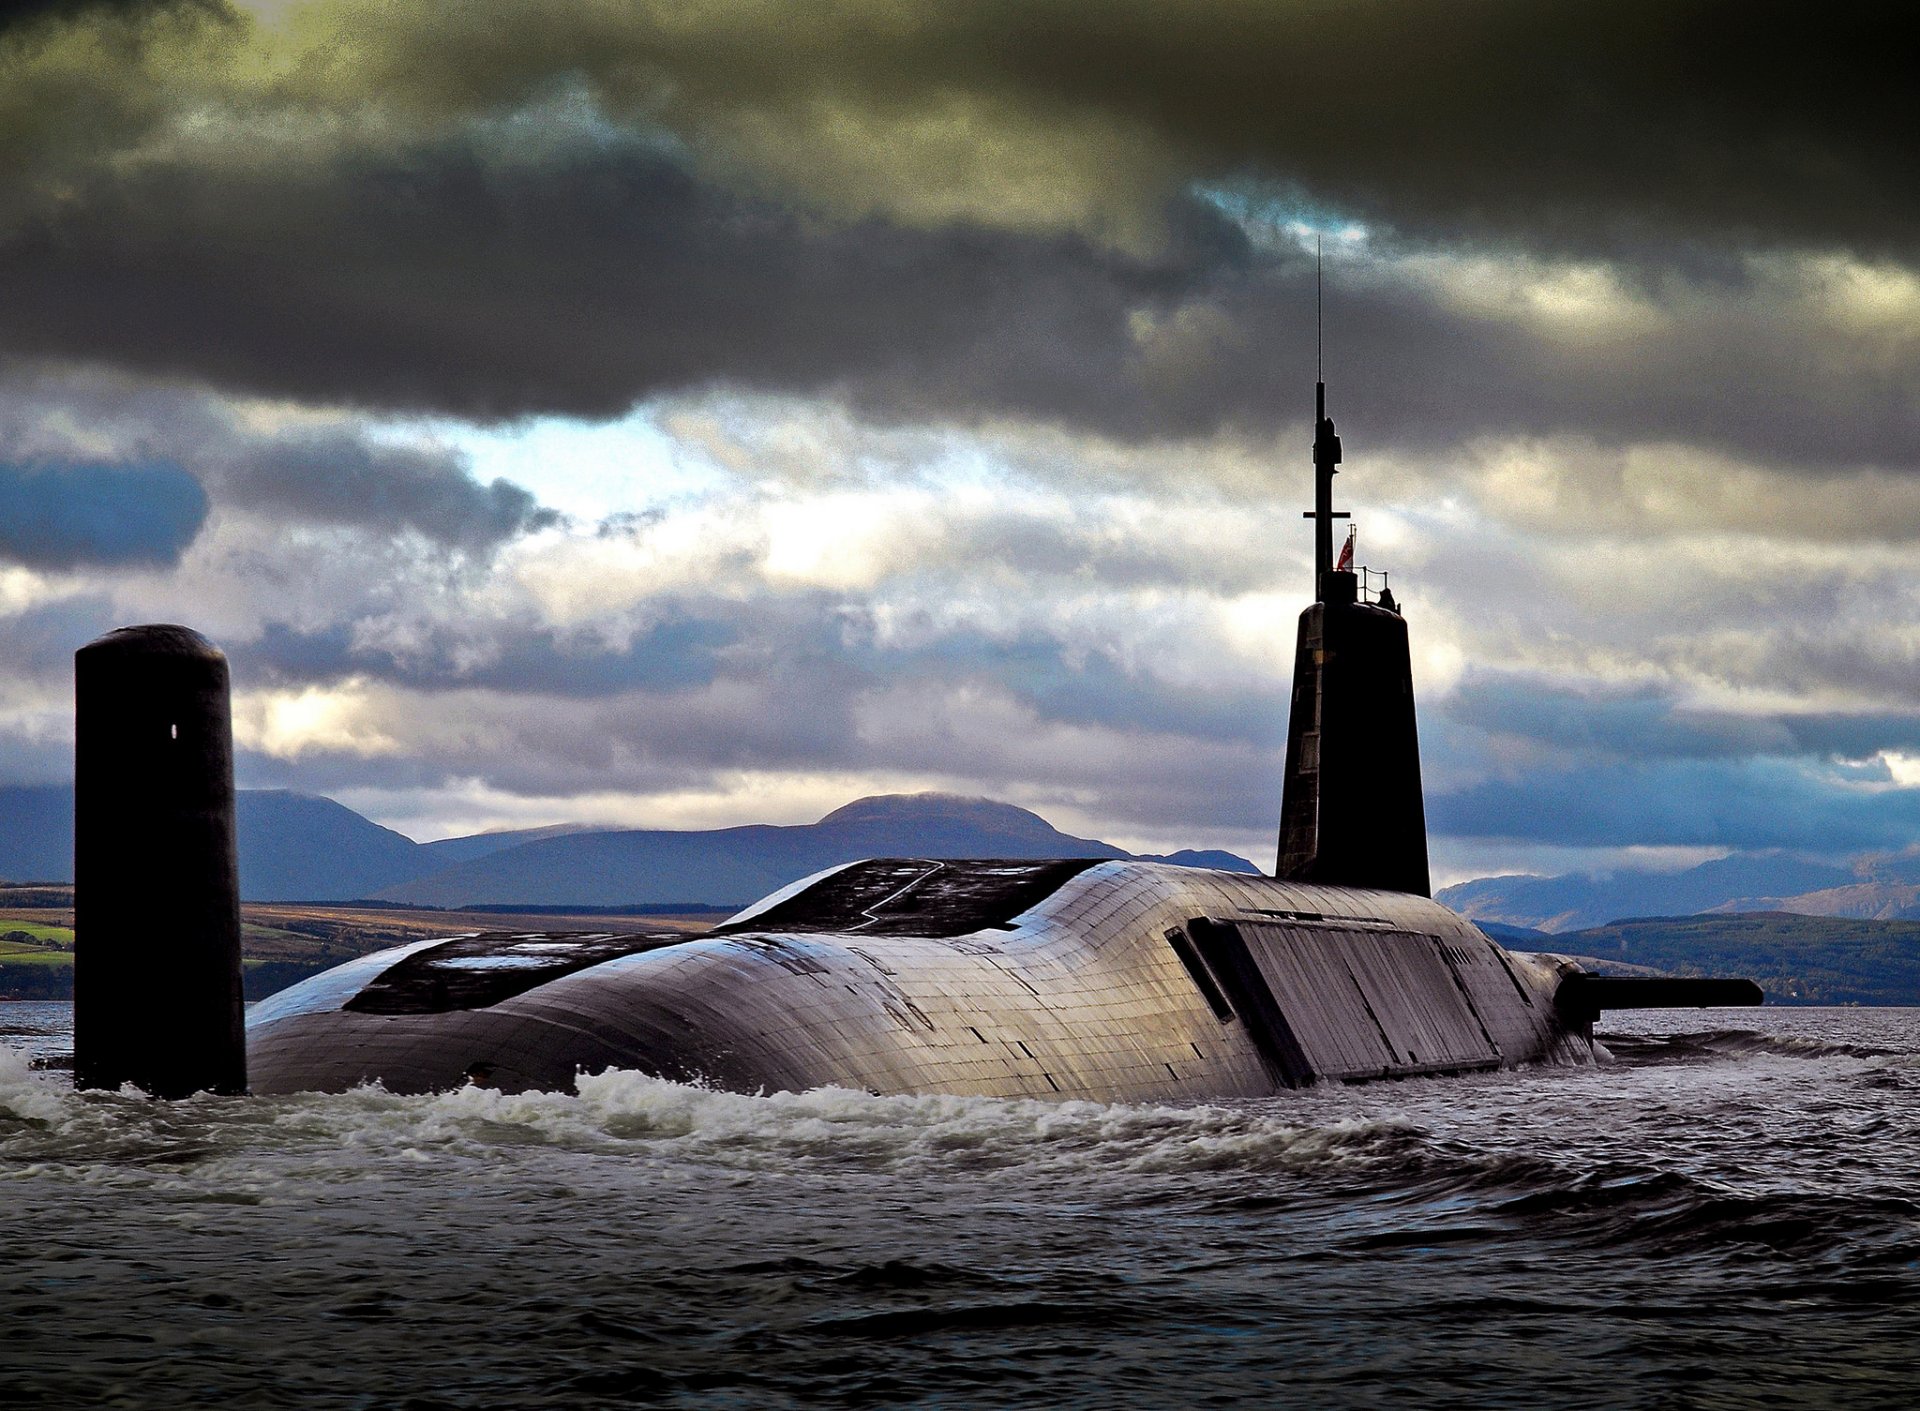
(1619, 723)
(1854, 737)
(473, 280)
(1757, 803)
(25, 15)
(403, 214)
(678, 652)
(1634, 768)
(1737, 373)
(66, 516)
(1719, 121)
(40, 641)
(332, 474)
(1878, 662)
(340, 477)
(478, 283)
(1651, 724)
(1744, 121)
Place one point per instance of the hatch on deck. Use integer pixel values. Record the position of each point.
(917, 896)
(477, 972)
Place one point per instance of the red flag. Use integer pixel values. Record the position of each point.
(1346, 555)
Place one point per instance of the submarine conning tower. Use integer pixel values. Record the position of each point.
(1351, 811)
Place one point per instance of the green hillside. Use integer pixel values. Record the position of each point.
(1795, 959)
(36, 961)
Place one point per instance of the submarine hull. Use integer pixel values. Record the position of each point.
(1114, 981)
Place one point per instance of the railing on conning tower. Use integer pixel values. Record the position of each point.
(1373, 582)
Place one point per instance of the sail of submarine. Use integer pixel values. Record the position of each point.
(1080, 978)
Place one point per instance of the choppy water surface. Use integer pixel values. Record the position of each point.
(1719, 1218)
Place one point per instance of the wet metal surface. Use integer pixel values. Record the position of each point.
(1070, 987)
(475, 972)
(917, 897)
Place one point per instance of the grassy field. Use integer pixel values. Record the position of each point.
(35, 953)
(280, 944)
(12, 928)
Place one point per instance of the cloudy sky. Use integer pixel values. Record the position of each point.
(708, 411)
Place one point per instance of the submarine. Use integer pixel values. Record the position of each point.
(1072, 978)
(1054, 979)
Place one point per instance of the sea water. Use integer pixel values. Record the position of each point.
(1724, 1216)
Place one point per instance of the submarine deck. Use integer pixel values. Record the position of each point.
(1072, 978)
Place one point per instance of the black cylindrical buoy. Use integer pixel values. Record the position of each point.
(156, 979)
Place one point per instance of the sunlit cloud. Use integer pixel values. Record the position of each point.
(288, 724)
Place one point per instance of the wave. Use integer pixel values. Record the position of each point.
(1407, 1171)
(621, 1113)
(1734, 1043)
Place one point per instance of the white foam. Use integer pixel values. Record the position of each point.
(636, 1117)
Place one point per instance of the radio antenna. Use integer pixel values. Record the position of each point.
(1326, 454)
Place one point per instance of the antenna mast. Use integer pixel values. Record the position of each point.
(1326, 453)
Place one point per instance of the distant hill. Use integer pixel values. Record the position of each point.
(1513, 937)
(293, 847)
(1203, 857)
(36, 833)
(1742, 882)
(1866, 899)
(302, 847)
(726, 866)
(1794, 959)
(448, 851)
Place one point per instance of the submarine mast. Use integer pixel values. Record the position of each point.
(1326, 455)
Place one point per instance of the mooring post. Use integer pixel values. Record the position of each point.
(156, 982)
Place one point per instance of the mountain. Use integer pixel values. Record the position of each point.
(302, 847)
(447, 851)
(728, 866)
(1874, 900)
(293, 847)
(1743, 881)
(1201, 857)
(944, 820)
(1512, 937)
